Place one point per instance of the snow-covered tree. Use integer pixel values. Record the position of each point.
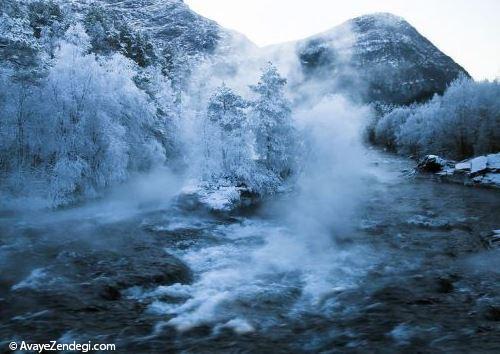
(110, 34)
(226, 135)
(84, 127)
(464, 122)
(272, 123)
(389, 126)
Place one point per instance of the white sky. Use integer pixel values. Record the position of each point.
(466, 30)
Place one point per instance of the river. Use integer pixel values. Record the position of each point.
(400, 267)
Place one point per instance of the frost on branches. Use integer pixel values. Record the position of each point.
(82, 127)
(87, 100)
(272, 124)
(248, 144)
(462, 123)
(226, 137)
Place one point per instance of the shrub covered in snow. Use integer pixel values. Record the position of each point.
(83, 126)
(464, 122)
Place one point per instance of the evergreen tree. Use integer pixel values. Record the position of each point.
(226, 113)
(272, 123)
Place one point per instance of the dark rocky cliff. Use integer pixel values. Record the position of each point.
(381, 57)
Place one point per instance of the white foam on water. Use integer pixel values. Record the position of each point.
(238, 325)
(38, 278)
(233, 273)
(261, 270)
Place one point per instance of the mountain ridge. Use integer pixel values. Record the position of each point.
(374, 58)
(381, 53)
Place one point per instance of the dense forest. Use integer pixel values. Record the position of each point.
(463, 122)
(85, 104)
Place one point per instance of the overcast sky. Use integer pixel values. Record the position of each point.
(466, 30)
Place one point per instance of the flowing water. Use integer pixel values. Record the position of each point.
(407, 271)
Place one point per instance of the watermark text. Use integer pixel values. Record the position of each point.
(54, 346)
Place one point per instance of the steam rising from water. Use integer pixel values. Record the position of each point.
(143, 192)
(295, 258)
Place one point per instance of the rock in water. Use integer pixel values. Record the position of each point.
(462, 166)
(481, 170)
(432, 163)
(478, 164)
(111, 293)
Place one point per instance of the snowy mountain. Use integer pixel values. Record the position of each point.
(181, 37)
(158, 32)
(93, 92)
(380, 56)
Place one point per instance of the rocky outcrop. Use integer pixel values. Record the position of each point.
(433, 163)
(480, 170)
(378, 57)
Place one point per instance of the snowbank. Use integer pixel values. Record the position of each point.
(480, 170)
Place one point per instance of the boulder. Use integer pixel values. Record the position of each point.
(220, 197)
(462, 167)
(480, 170)
(432, 163)
(494, 162)
(478, 164)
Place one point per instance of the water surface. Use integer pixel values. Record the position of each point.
(408, 272)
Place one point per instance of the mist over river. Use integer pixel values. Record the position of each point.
(392, 261)
(169, 186)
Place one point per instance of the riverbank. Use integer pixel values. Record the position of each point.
(483, 171)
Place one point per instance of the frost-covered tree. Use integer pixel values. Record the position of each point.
(19, 48)
(84, 127)
(159, 89)
(47, 20)
(272, 123)
(226, 139)
(467, 119)
(464, 122)
(389, 126)
(109, 34)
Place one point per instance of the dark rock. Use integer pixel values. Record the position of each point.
(445, 285)
(432, 163)
(155, 271)
(383, 54)
(139, 265)
(493, 313)
(110, 293)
